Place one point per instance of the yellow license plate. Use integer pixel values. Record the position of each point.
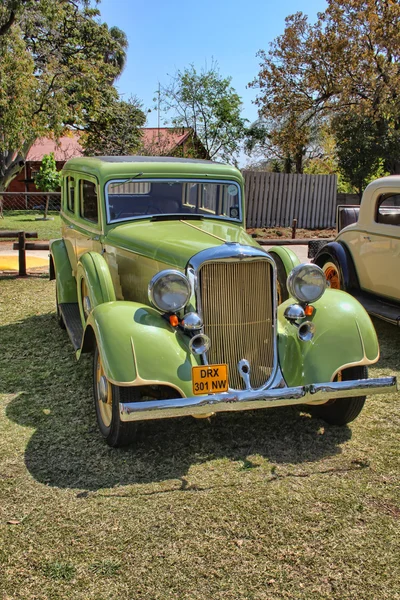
(210, 379)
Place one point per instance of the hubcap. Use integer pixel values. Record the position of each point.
(104, 394)
(85, 299)
(332, 276)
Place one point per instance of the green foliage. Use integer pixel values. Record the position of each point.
(114, 129)
(206, 102)
(59, 62)
(358, 149)
(347, 61)
(48, 179)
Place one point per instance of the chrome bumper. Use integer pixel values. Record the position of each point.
(315, 393)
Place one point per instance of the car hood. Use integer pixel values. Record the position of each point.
(175, 242)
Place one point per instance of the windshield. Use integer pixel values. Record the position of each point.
(132, 199)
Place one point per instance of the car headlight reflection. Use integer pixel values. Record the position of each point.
(169, 291)
(306, 283)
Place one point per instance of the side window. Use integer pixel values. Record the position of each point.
(388, 209)
(88, 201)
(71, 194)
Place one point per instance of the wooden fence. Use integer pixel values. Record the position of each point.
(275, 199)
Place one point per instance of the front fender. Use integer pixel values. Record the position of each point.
(344, 337)
(93, 269)
(287, 256)
(61, 271)
(138, 347)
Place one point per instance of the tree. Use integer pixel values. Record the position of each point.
(57, 65)
(114, 129)
(207, 103)
(47, 179)
(349, 60)
(358, 149)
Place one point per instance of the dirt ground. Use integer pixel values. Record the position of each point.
(286, 233)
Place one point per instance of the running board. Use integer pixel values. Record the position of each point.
(378, 307)
(72, 319)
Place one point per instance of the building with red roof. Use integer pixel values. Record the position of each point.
(163, 141)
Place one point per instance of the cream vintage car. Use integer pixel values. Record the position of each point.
(365, 257)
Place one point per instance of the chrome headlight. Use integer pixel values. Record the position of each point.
(169, 291)
(306, 283)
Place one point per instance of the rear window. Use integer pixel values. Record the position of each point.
(388, 209)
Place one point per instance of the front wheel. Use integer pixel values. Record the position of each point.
(107, 397)
(333, 273)
(342, 410)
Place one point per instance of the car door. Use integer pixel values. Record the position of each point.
(68, 211)
(88, 228)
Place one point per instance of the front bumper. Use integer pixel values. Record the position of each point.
(316, 393)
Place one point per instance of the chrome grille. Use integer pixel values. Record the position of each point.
(237, 307)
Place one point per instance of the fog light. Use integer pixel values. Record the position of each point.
(199, 344)
(192, 321)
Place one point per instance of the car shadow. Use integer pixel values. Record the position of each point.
(50, 392)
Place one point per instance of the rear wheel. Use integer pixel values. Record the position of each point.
(343, 410)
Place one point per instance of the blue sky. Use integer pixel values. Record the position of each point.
(167, 36)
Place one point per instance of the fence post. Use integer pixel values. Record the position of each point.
(21, 254)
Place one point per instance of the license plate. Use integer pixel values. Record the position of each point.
(210, 379)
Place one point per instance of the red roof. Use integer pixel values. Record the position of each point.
(161, 140)
(164, 139)
(65, 148)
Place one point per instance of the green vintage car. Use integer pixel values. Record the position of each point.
(185, 314)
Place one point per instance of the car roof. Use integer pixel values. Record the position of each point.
(106, 167)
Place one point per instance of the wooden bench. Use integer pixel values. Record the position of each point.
(22, 246)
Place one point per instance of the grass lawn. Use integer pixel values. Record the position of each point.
(263, 505)
(22, 220)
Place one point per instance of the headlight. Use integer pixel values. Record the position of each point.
(306, 283)
(169, 291)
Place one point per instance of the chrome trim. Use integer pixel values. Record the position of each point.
(232, 252)
(294, 312)
(306, 331)
(244, 372)
(160, 275)
(110, 221)
(314, 393)
(199, 344)
(102, 387)
(192, 321)
(294, 273)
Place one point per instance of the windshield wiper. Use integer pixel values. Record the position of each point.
(126, 181)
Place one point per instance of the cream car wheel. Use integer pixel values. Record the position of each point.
(107, 398)
(104, 394)
(332, 274)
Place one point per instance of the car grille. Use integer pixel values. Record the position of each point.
(237, 307)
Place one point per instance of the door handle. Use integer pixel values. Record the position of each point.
(70, 226)
(366, 238)
(96, 238)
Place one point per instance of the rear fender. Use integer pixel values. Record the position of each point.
(287, 256)
(61, 271)
(339, 252)
(344, 337)
(138, 347)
